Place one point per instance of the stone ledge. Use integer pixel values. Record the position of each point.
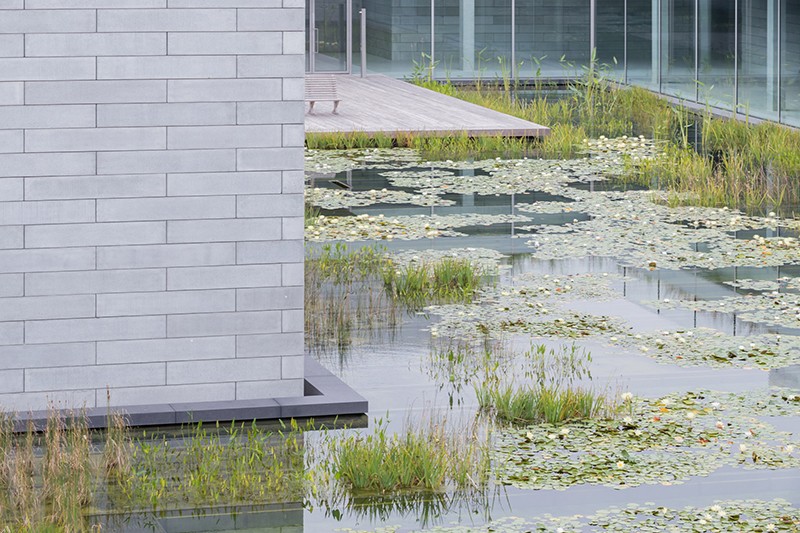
(325, 395)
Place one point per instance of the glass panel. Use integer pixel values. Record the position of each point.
(642, 43)
(610, 28)
(454, 24)
(552, 37)
(357, 37)
(677, 48)
(398, 36)
(758, 58)
(717, 52)
(492, 56)
(330, 35)
(790, 63)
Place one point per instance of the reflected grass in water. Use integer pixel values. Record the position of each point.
(344, 295)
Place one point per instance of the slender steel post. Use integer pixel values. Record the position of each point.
(363, 13)
(433, 35)
(513, 39)
(625, 43)
(736, 58)
(348, 22)
(659, 45)
(592, 31)
(696, 50)
(780, 61)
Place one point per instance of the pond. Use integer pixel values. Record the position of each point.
(693, 311)
(661, 346)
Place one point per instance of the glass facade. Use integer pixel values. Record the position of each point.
(728, 54)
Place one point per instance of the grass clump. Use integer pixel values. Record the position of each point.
(447, 280)
(428, 456)
(551, 392)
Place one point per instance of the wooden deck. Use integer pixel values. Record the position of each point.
(379, 104)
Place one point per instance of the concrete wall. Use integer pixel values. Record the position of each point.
(151, 201)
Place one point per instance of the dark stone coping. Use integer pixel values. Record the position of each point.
(325, 395)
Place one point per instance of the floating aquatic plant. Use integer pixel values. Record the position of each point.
(661, 441)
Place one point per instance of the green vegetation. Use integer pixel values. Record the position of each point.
(734, 164)
(51, 480)
(428, 456)
(238, 464)
(343, 294)
(550, 394)
(444, 281)
(362, 289)
(457, 145)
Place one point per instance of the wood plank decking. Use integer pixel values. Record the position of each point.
(379, 104)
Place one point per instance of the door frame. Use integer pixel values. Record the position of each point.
(311, 8)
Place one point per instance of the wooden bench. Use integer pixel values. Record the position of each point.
(321, 89)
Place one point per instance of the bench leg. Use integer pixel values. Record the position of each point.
(335, 106)
(311, 107)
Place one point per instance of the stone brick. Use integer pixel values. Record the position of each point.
(223, 277)
(95, 92)
(218, 43)
(218, 183)
(166, 20)
(105, 234)
(214, 324)
(45, 307)
(271, 20)
(37, 68)
(222, 370)
(121, 186)
(241, 90)
(188, 114)
(265, 299)
(94, 329)
(177, 208)
(255, 229)
(95, 139)
(171, 255)
(58, 259)
(95, 281)
(165, 303)
(248, 253)
(269, 205)
(99, 377)
(95, 44)
(149, 162)
(157, 67)
(47, 21)
(154, 350)
(269, 345)
(224, 137)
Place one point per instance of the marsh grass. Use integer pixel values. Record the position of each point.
(429, 455)
(344, 295)
(229, 465)
(447, 280)
(551, 391)
(452, 146)
(353, 291)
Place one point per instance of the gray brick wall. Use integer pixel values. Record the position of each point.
(150, 201)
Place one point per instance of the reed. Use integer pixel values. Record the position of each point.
(551, 391)
(429, 455)
(447, 280)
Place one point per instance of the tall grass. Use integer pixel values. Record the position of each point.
(447, 280)
(550, 392)
(428, 455)
(344, 295)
